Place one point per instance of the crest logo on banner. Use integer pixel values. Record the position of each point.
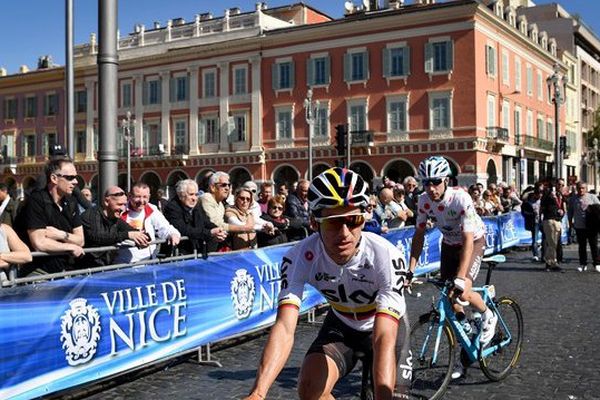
(242, 293)
(80, 332)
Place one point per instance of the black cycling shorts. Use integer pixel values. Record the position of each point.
(342, 343)
(450, 260)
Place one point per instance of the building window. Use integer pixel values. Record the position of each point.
(80, 101)
(240, 74)
(284, 123)
(490, 60)
(152, 92)
(179, 89)
(517, 121)
(50, 104)
(357, 115)
(283, 75)
(440, 111)
(318, 70)
(151, 138)
(540, 128)
(438, 56)
(505, 72)
(31, 107)
(239, 128)
(529, 126)
(126, 95)
(356, 66)
(209, 129)
(529, 82)
(29, 145)
(209, 84)
(396, 61)
(550, 130)
(49, 141)
(491, 110)
(518, 74)
(505, 114)
(181, 134)
(397, 114)
(10, 108)
(322, 120)
(80, 143)
(540, 83)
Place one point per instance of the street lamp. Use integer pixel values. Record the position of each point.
(310, 110)
(557, 91)
(126, 124)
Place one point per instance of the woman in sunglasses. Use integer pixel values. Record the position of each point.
(240, 215)
(463, 242)
(362, 277)
(274, 215)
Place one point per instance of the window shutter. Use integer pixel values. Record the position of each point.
(275, 76)
(406, 61)
(365, 63)
(46, 105)
(327, 70)
(202, 132)
(450, 55)
(310, 72)
(487, 59)
(187, 88)
(428, 58)
(386, 63)
(347, 72)
(292, 75)
(172, 90)
(145, 92)
(159, 91)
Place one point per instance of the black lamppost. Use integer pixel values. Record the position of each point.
(556, 91)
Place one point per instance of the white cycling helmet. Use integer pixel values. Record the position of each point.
(337, 187)
(434, 167)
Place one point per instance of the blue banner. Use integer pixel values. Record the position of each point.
(60, 334)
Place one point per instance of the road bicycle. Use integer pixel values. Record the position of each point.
(434, 337)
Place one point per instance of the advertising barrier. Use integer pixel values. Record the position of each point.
(60, 334)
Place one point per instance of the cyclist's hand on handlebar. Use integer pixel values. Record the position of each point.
(409, 279)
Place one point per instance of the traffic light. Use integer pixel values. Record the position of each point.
(562, 144)
(340, 139)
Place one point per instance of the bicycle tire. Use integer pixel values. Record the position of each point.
(428, 381)
(500, 363)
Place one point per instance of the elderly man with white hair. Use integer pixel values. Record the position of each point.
(185, 214)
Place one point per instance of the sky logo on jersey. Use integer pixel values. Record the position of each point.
(340, 296)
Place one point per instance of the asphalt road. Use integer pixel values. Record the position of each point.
(560, 359)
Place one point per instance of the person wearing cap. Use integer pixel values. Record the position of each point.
(361, 276)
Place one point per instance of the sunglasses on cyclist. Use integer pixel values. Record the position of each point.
(338, 221)
(434, 181)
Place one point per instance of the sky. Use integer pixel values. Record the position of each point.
(33, 28)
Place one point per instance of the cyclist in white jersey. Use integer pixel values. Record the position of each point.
(453, 213)
(362, 276)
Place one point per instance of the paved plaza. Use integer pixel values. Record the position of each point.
(561, 349)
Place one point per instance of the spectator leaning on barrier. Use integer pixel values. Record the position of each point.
(259, 223)
(241, 216)
(372, 220)
(281, 224)
(8, 206)
(49, 220)
(390, 212)
(145, 217)
(296, 208)
(12, 249)
(185, 213)
(412, 197)
(578, 206)
(103, 226)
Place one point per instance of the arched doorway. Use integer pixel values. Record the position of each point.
(286, 174)
(153, 181)
(238, 176)
(172, 180)
(492, 172)
(319, 168)
(397, 170)
(364, 170)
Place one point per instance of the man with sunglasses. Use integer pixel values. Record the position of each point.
(103, 226)
(452, 211)
(49, 220)
(362, 277)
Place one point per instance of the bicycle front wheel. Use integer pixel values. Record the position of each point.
(431, 378)
(502, 354)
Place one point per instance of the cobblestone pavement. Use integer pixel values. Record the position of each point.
(560, 359)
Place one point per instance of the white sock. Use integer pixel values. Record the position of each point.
(487, 314)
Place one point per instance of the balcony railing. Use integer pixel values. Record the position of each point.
(362, 137)
(534, 142)
(8, 160)
(497, 133)
(180, 149)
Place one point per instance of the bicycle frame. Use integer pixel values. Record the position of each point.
(471, 346)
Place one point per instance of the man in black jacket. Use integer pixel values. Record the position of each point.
(103, 227)
(185, 214)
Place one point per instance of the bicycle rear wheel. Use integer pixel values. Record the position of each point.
(429, 380)
(499, 363)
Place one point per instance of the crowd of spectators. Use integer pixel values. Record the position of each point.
(57, 218)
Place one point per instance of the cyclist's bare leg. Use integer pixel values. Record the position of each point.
(318, 376)
(472, 297)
